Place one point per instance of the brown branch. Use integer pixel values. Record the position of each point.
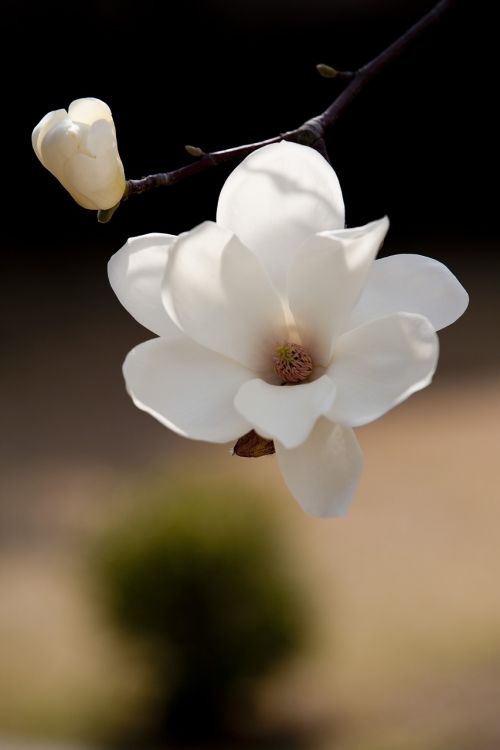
(311, 132)
(134, 187)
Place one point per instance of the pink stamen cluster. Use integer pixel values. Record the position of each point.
(292, 363)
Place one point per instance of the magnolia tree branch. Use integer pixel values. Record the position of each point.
(311, 132)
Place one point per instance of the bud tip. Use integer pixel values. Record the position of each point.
(326, 71)
(194, 150)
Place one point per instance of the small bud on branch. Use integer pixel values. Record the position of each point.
(194, 150)
(326, 71)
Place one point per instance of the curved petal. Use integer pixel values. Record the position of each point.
(100, 180)
(378, 365)
(88, 110)
(323, 472)
(135, 274)
(100, 140)
(284, 413)
(218, 294)
(58, 148)
(85, 201)
(187, 388)
(51, 120)
(276, 198)
(325, 280)
(411, 283)
(60, 142)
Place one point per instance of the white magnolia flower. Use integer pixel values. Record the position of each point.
(79, 148)
(278, 319)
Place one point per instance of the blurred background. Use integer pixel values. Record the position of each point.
(142, 608)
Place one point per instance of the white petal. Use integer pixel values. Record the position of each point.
(187, 388)
(380, 364)
(325, 280)
(323, 472)
(219, 295)
(101, 140)
(284, 413)
(411, 283)
(89, 110)
(276, 198)
(59, 143)
(96, 170)
(51, 120)
(99, 179)
(135, 274)
(58, 147)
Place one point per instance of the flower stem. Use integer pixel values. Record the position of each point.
(311, 132)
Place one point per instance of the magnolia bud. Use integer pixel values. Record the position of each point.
(79, 148)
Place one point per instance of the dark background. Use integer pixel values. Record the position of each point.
(218, 73)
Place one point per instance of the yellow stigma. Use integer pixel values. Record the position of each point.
(292, 363)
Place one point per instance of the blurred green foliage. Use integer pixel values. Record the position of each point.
(199, 575)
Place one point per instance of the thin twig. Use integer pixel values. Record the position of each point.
(311, 132)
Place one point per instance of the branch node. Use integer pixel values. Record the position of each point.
(310, 132)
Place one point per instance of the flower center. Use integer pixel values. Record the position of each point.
(292, 363)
